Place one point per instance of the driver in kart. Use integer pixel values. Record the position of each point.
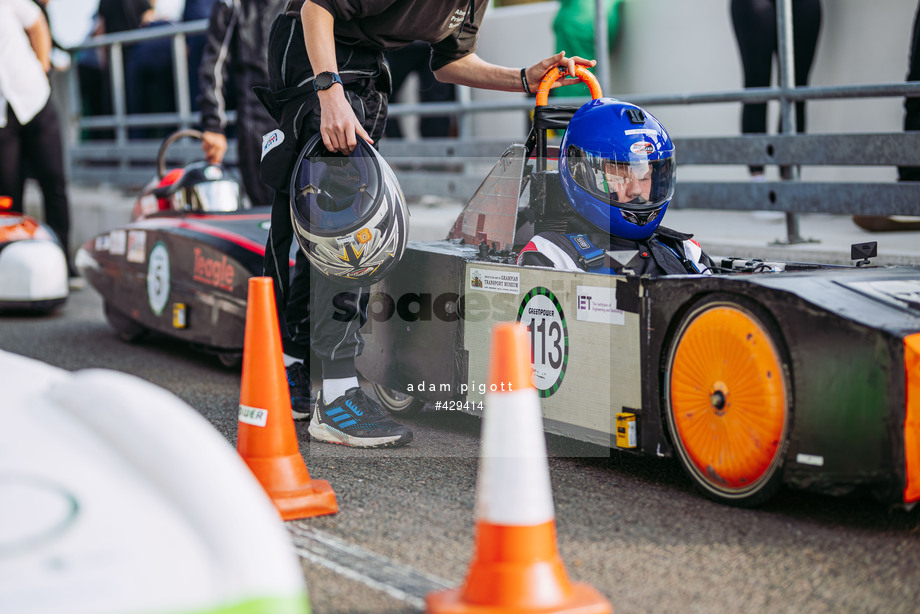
(617, 170)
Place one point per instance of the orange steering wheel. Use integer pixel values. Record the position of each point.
(558, 71)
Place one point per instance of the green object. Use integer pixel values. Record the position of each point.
(298, 604)
(574, 30)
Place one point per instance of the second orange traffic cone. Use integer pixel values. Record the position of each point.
(266, 438)
(516, 566)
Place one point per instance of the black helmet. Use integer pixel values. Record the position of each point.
(349, 213)
(202, 188)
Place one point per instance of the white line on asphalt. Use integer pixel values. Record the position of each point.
(378, 572)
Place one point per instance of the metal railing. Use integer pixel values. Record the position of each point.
(440, 168)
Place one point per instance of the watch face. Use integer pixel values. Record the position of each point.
(324, 80)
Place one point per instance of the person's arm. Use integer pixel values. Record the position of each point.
(150, 14)
(40, 38)
(473, 71)
(213, 72)
(339, 126)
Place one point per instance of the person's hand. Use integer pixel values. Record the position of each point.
(214, 146)
(536, 72)
(339, 126)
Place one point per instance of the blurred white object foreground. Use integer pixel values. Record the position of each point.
(115, 496)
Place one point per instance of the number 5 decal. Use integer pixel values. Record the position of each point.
(541, 312)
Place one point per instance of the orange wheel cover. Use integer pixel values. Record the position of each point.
(558, 71)
(728, 397)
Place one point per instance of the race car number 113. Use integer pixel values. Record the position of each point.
(542, 314)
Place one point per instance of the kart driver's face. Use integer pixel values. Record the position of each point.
(628, 183)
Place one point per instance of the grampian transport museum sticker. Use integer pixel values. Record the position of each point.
(541, 312)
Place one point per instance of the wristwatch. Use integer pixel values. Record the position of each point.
(325, 80)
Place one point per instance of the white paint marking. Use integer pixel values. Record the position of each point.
(377, 572)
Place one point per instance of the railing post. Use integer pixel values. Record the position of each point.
(464, 121)
(787, 106)
(601, 48)
(180, 76)
(119, 106)
(71, 129)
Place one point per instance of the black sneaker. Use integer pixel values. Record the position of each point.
(302, 400)
(354, 419)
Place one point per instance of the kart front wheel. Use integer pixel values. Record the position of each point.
(230, 360)
(398, 403)
(727, 399)
(127, 329)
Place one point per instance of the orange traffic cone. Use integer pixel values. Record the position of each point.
(516, 567)
(265, 434)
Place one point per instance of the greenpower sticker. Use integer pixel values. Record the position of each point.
(158, 278)
(541, 312)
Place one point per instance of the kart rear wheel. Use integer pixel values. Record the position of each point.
(727, 399)
(127, 329)
(398, 403)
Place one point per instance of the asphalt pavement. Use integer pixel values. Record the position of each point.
(634, 528)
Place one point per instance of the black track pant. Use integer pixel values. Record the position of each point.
(309, 304)
(912, 105)
(754, 22)
(38, 144)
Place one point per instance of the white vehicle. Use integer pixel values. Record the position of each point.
(33, 267)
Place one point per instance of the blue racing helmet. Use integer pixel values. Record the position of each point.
(617, 168)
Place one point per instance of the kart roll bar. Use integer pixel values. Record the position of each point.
(554, 117)
(546, 198)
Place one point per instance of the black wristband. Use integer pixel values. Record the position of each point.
(524, 81)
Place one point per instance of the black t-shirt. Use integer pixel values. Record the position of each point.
(122, 15)
(391, 24)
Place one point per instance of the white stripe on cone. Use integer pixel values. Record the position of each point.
(513, 486)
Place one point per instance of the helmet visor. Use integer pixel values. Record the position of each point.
(214, 196)
(335, 193)
(630, 182)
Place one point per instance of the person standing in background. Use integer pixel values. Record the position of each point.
(912, 103)
(123, 15)
(29, 129)
(882, 223)
(148, 64)
(574, 30)
(193, 11)
(414, 58)
(234, 60)
(237, 38)
(754, 22)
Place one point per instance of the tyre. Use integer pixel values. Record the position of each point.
(230, 360)
(126, 328)
(398, 403)
(727, 399)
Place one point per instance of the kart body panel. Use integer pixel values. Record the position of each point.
(33, 267)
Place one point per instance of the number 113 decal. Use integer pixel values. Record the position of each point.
(542, 314)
